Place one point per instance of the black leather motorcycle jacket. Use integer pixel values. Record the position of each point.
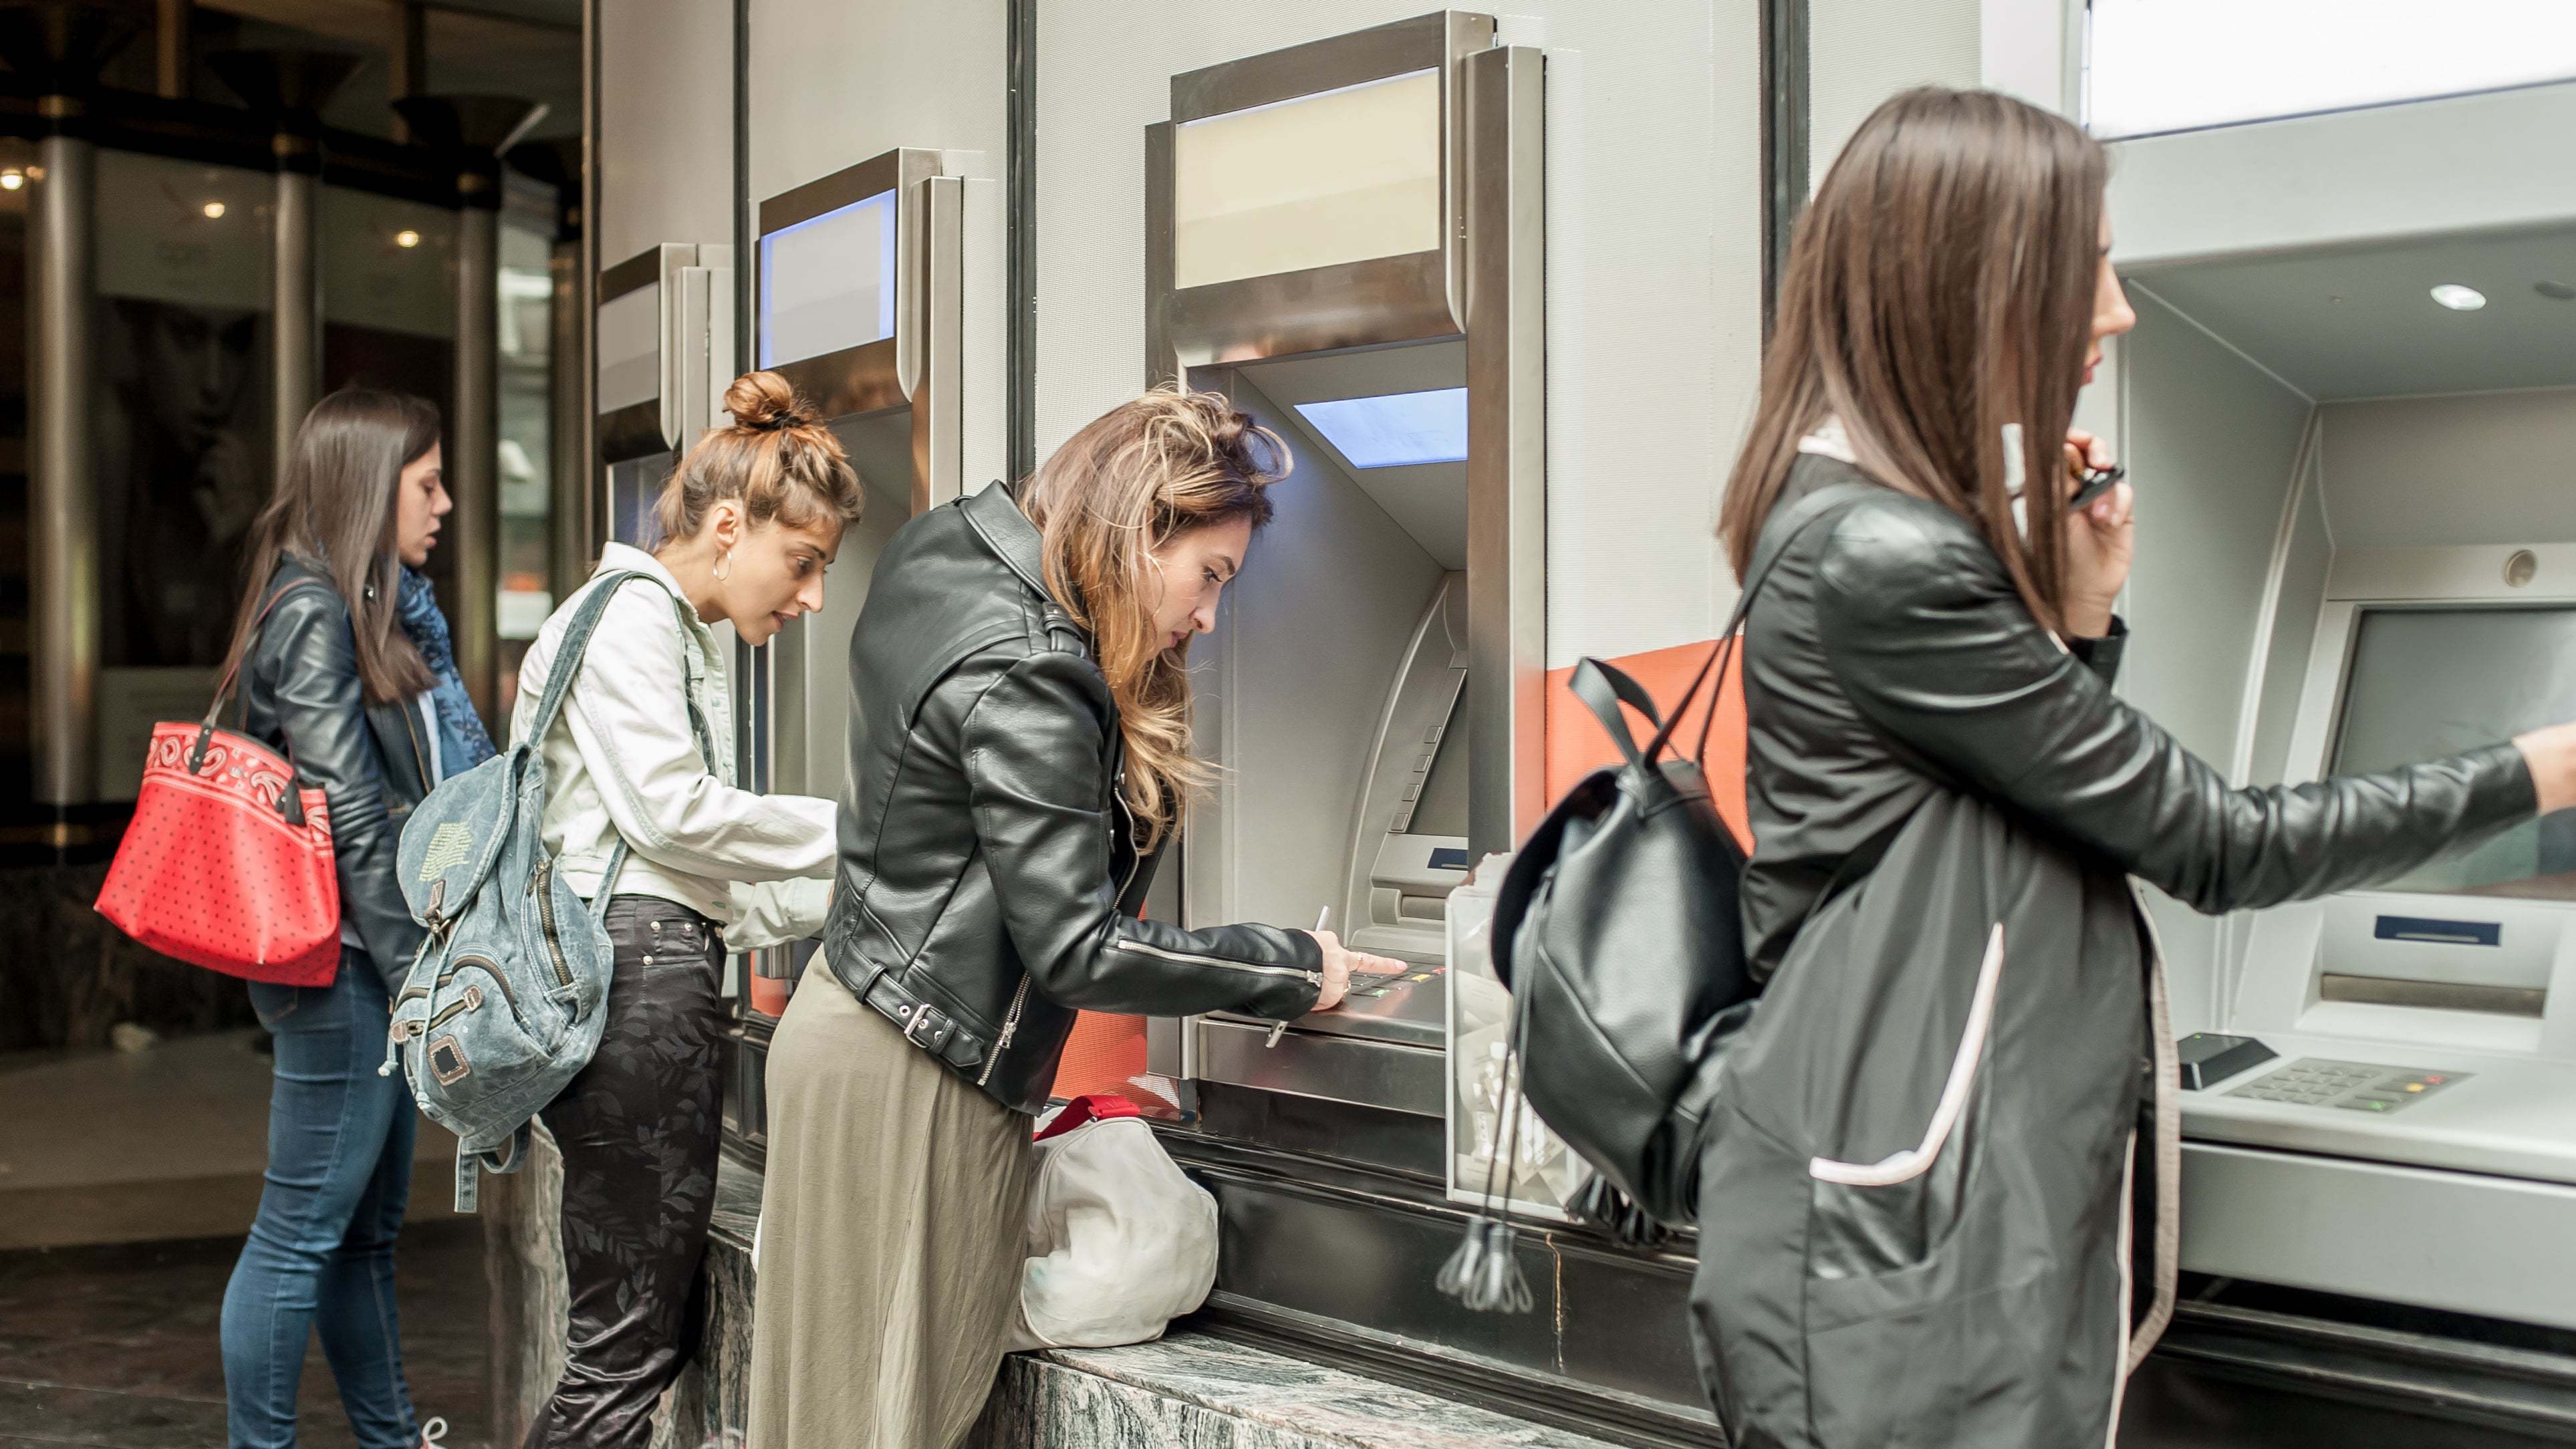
(990, 878)
(301, 696)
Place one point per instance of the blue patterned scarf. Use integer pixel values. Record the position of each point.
(462, 744)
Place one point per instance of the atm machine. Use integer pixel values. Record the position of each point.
(665, 358)
(1346, 238)
(2348, 407)
(859, 299)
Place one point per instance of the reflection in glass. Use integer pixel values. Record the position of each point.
(2425, 683)
(183, 457)
(389, 311)
(527, 425)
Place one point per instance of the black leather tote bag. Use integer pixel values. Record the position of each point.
(1618, 934)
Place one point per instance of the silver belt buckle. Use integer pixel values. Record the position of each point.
(920, 1013)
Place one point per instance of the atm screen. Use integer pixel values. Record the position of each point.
(1442, 806)
(2424, 683)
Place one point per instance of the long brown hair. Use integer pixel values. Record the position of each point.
(334, 510)
(775, 458)
(1939, 287)
(1135, 476)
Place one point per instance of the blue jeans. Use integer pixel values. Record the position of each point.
(321, 1251)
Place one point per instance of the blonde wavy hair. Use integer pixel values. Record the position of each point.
(1131, 480)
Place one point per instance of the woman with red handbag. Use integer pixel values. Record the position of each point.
(345, 669)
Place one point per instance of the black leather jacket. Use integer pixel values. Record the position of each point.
(989, 877)
(301, 697)
(1888, 657)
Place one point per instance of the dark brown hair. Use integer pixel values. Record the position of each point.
(1939, 287)
(1138, 474)
(334, 510)
(775, 457)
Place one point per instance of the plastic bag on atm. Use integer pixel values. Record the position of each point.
(1119, 1242)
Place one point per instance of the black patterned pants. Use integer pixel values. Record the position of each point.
(640, 1129)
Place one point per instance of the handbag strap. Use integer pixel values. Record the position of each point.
(232, 674)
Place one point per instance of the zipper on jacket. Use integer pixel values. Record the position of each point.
(540, 881)
(1135, 851)
(1010, 1028)
(1142, 949)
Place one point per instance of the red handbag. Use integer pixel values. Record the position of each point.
(228, 861)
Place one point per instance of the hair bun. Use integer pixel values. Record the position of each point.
(765, 400)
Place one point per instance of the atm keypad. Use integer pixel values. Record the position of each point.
(2352, 1086)
(1367, 988)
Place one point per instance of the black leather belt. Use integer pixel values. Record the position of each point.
(923, 1023)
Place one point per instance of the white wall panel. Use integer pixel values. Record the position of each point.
(2426, 168)
(2449, 470)
(1653, 273)
(2212, 443)
(1860, 52)
(834, 82)
(665, 145)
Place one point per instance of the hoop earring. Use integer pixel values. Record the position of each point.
(724, 565)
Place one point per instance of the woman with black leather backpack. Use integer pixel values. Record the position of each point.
(1019, 753)
(1934, 1163)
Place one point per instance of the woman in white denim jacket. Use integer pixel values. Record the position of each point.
(642, 752)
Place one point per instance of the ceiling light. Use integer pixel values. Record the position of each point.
(406, 238)
(1394, 429)
(2459, 298)
(12, 179)
(2554, 291)
(214, 211)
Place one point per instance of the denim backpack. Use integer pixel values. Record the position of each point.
(506, 999)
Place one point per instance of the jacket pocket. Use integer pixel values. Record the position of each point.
(1870, 1220)
(1913, 1162)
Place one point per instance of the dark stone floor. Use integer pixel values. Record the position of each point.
(116, 1347)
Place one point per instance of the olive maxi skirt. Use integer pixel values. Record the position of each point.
(891, 1236)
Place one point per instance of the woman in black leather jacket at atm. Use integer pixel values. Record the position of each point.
(1933, 1151)
(1019, 751)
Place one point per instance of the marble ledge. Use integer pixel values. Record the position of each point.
(1212, 1394)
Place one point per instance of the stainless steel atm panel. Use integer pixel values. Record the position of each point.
(1346, 238)
(859, 293)
(666, 331)
(858, 296)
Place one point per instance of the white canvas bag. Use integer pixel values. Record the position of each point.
(1119, 1242)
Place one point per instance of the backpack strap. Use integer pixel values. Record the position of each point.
(1603, 688)
(567, 662)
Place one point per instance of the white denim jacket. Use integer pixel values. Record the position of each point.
(622, 761)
